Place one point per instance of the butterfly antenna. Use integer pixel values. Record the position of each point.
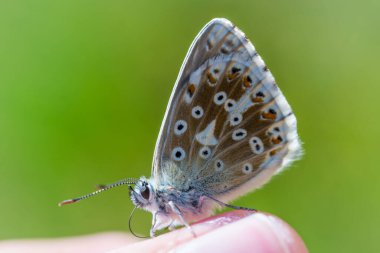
(126, 181)
(130, 226)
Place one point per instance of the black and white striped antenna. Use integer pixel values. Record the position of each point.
(126, 181)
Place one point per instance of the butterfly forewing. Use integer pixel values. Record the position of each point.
(227, 128)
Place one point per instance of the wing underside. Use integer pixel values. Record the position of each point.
(227, 128)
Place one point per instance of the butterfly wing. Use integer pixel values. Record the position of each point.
(227, 128)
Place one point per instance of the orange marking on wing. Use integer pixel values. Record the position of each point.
(211, 78)
(268, 115)
(258, 100)
(247, 82)
(276, 140)
(191, 90)
(273, 152)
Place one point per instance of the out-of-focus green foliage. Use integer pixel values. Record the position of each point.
(84, 86)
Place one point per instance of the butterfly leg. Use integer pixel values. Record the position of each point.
(171, 226)
(179, 213)
(231, 206)
(159, 223)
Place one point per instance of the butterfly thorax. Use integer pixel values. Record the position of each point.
(158, 199)
(192, 203)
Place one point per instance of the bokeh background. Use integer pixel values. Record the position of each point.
(84, 85)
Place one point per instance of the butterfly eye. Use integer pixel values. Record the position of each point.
(145, 193)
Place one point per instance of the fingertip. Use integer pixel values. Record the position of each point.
(278, 233)
(258, 232)
(168, 241)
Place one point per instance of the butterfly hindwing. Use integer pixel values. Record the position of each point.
(228, 128)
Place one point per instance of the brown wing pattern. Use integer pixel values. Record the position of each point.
(227, 127)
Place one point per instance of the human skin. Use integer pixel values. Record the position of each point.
(236, 231)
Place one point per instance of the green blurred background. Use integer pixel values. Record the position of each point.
(84, 86)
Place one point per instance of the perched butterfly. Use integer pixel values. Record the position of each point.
(227, 130)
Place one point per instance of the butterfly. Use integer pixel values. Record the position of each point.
(226, 131)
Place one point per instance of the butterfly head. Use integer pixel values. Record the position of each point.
(142, 195)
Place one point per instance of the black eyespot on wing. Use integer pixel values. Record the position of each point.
(239, 134)
(234, 70)
(272, 111)
(260, 94)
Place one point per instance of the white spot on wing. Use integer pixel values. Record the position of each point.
(219, 165)
(235, 118)
(195, 77)
(197, 112)
(239, 134)
(180, 127)
(220, 97)
(206, 137)
(257, 145)
(178, 154)
(205, 152)
(247, 168)
(230, 105)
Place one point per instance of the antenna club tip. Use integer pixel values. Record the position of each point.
(66, 202)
